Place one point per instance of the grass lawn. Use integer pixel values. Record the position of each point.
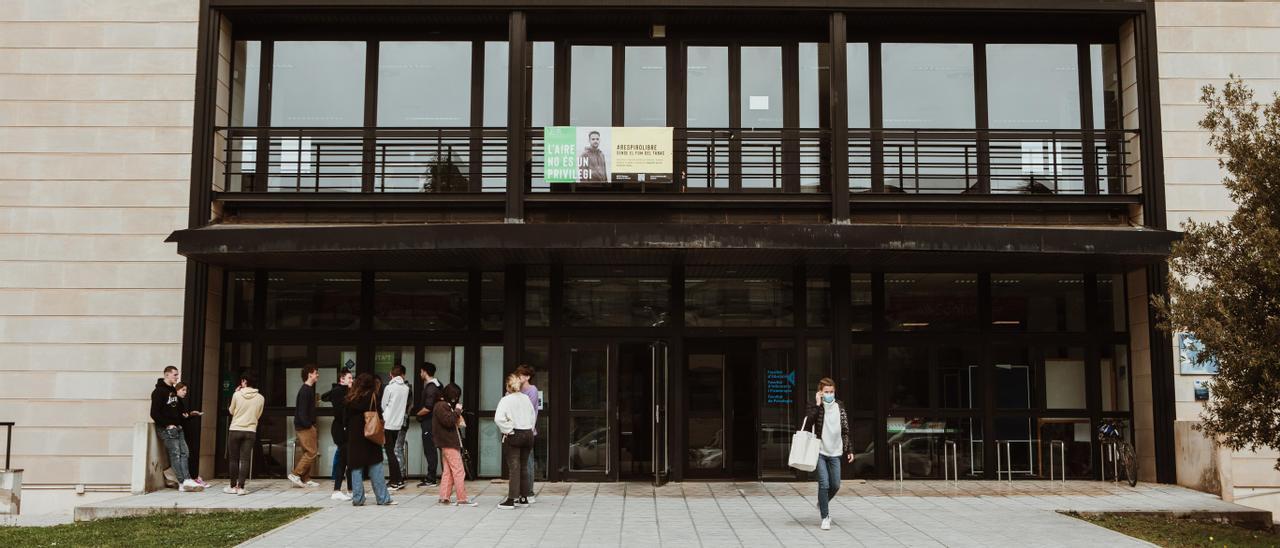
(1177, 533)
(164, 530)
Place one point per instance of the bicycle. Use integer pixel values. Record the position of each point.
(1109, 433)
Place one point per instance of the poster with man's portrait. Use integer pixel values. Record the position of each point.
(593, 154)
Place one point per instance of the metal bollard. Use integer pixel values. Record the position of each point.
(1062, 452)
(955, 461)
(895, 462)
(1007, 461)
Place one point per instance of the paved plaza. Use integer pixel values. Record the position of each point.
(876, 513)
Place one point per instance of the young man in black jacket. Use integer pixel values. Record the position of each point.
(166, 412)
(338, 396)
(304, 424)
(428, 396)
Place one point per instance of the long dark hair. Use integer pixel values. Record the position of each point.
(364, 385)
(452, 393)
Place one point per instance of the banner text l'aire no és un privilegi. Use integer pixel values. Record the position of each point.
(588, 154)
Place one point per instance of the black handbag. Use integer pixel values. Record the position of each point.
(467, 472)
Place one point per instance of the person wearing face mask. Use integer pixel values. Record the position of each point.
(832, 426)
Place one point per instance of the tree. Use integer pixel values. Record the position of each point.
(1225, 288)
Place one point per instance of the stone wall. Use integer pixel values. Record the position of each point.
(95, 134)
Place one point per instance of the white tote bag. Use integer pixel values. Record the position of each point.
(804, 449)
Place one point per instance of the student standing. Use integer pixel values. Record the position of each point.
(514, 417)
(428, 397)
(832, 425)
(166, 412)
(246, 409)
(364, 457)
(395, 399)
(446, 417)
(304, 423)
(338, 430)
(190, 423)
(528, 389)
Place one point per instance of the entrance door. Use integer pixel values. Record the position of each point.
(661, 464)
(721, 431)
(618, 410)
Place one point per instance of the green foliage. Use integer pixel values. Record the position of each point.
(1177, 533)
(161, 530)
(1225, 287)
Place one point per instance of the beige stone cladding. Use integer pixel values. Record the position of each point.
(1202, 43)
(96, 102)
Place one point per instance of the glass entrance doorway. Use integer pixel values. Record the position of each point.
(721, 418)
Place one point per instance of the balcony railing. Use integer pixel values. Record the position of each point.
(791, 160)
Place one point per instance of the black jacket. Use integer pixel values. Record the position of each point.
(816, 416)
(337, 396)
(304, 413)
(428, 396)
(166, 408)
(360, 451)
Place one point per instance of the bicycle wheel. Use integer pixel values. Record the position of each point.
(1129, 462)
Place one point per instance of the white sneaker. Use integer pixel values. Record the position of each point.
(826, 524)
(241, 492)
(296, 481)
(190, 485)
(339, 495)
(532, 499)
(312, 484)
(229, 490)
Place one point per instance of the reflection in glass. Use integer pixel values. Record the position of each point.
(818, 364)
(931, 302)
(424, 84)
(738, 302)
(1111, 303)
(924, 448)
(318, 84)
(281, 362)
(1022, 438)
(420, 300)
(537, 301)
(860, 314)
(591, 86)
(450, 364)
(777, 413)
(707, 86)
(239, 301)
(543, 86)
(313, 300)
(817, 302)
(959, 379)
(645, 97)
(928, 85)
(908, 370)
(862, 438)
(860, 393)
(589, 377)
(1115, 377)
(1107, 108)
(1033, 86)
(1077, 438)
(589, 444)
(244, 83)
(492, 299)
(705, 380)
(1037, 302)
(1013, 376)
(610, 301)
(1064, 378)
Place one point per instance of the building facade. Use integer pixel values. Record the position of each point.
(958, 212)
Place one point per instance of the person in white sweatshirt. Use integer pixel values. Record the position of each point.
(395, 401)
(514, 417)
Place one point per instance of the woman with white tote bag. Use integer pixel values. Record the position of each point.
(830, 437)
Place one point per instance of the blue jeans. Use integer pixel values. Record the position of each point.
(526, 485)
(175, 443)
(828, 482)
(376, 477)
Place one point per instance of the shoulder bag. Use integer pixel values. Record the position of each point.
(373, 429)
(804, 449)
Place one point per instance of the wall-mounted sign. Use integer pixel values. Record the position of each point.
(778, 386)
(585, 154)
(1190, 358)
(1201, 390)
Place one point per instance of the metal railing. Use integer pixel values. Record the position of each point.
(896, 457)
(474, 159)
(950, 447)
(1062, 453)
(1007, 460)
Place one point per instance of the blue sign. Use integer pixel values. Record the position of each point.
(779, 385)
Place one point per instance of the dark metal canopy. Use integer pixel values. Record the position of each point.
(863, 246)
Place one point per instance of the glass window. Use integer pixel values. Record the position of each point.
(492, 377)
(817, 302)
(537, 301)
(424, 84)
(1064, 378)
(313, 300)
(931, 302)
(707, 86)
(591, 86)
(862, 437)
(761, 87)
(492, 299)
(537, 354)
(1111, 297)
(450, 364)
(420, 300)
(283, 365)
(490, 449)
(495, 83)
(859, 392)
(1033, 86)
(544, 85)
(1115, 377)
(813, 72)
(1075, 458)
(818, 364)
(718, 301)
(928, 85)
(645, 95)
(705, 381)
(1105, 78)
(1037, 302)
(959, 378)
(1014, 377)
(387, 357)
(1022, 439)
(588, 401)
(318, 84)
(239, 300)
(860, 310)
(777, 412)
(858, 77)
(908, 371)
(610, 301)
(244, 83)
(922, 439)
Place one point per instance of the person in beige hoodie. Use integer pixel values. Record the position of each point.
(246, 409)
